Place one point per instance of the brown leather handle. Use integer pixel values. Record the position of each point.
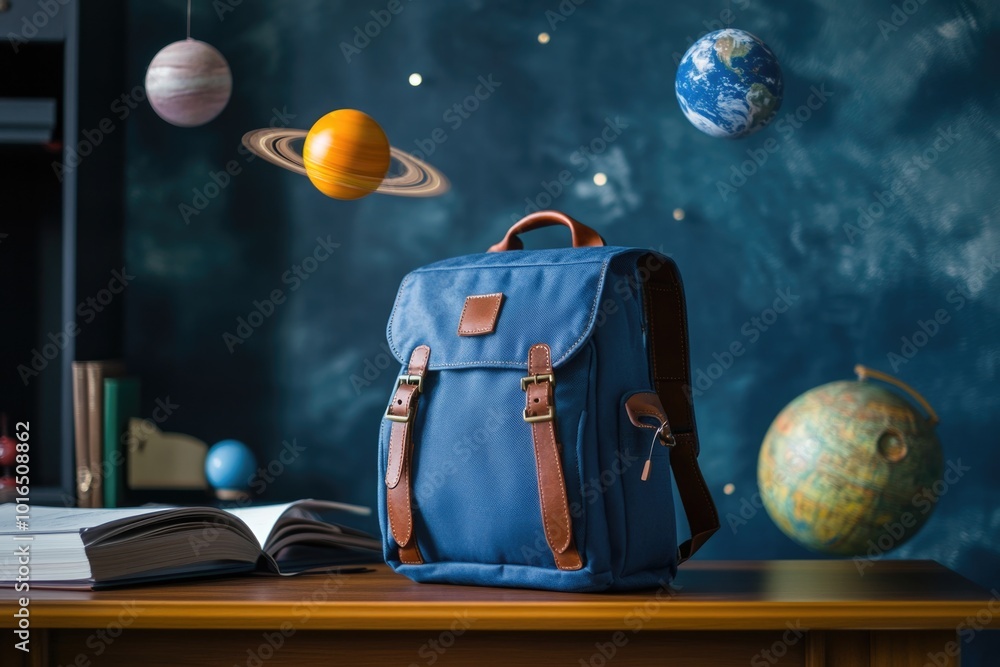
(583, 236)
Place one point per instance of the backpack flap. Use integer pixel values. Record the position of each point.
(548, 296)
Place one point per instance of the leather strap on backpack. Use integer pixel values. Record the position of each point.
(666, 321)
(540, 413)
(402, 412)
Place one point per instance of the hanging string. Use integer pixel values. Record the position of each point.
(189, 19)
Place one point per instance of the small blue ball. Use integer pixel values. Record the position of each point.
(729, 84)
(230, 465)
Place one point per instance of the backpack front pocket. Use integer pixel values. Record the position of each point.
(475, 491)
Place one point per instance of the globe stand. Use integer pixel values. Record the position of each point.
(232, 495)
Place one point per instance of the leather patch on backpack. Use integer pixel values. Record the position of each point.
(479, 316)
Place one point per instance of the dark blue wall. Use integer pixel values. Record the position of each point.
(893, 84)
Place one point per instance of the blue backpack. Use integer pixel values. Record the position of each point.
(544, 399)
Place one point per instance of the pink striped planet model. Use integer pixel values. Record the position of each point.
(188, 83)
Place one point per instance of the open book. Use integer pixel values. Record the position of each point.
(95, 548)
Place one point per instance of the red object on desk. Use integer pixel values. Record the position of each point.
(8, 445)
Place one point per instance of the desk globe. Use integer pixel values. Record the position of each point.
(850, 468)
(229, 467)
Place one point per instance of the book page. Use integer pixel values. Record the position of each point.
(327, 505)
(260, 519)
(66, 519)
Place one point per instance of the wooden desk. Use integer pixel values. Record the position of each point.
(812, 613)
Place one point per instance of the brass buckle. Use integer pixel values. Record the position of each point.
(411, 379)
(405, 379)
(547, 417)
(535, 379)
(398, 418)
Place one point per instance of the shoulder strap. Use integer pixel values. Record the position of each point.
(666, 323)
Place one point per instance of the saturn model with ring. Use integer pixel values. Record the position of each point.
(347, 155)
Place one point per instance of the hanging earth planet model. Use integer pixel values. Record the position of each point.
(851, 468)
(188, 83)
(347, 155)
(729, 84)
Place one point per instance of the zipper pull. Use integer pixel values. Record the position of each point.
(656, 436)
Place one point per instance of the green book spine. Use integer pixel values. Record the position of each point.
(121, 403)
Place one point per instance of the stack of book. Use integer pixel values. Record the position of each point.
(103, 402)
